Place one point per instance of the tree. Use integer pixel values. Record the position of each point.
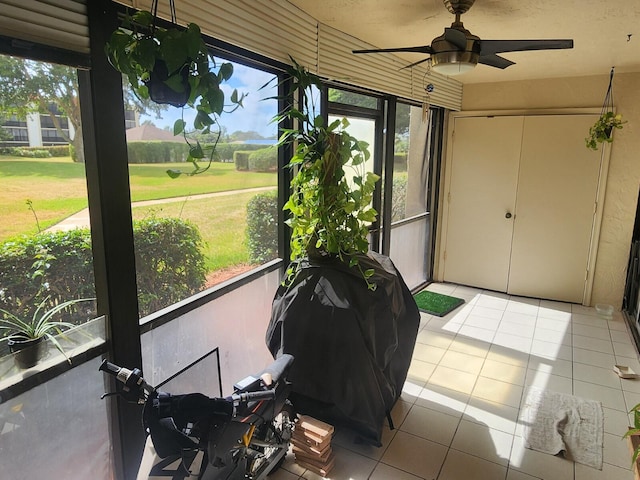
(352, 98)
(28, 86)
(240, 136)
(4, 133)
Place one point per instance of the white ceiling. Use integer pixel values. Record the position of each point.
(599, 28)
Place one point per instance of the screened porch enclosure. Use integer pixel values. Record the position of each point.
(218, 326)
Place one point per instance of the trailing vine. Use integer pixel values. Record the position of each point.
(330, 202)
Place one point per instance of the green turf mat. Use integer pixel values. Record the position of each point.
(436, 303)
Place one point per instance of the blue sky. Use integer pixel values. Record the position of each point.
(255, 115)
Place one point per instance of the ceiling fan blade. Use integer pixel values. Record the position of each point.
(415, 63)
(495, 61)
(456, 37)
(489, 47)
(422, 49)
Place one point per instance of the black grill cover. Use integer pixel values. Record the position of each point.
(352, 346)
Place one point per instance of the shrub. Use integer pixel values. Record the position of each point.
(400, 162)
(37, 152)
(225, 151)
(264, 160)
(164, 152)
(399, 198)
(262, 227)
(59, 150)
(241, 159)
(170, 267)
(54, 264)
(157, 152)
(170, 262)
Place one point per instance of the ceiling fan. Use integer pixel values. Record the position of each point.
(458, 50)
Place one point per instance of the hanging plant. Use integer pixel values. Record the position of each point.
(173, 66)
(602, 130)
(330, 203)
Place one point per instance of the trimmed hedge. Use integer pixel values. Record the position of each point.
(37, 152)
(241, 160)
(59, 265)
(264, 160)
(262, 227)
(225, 151)
(165, 152)
(157, 152)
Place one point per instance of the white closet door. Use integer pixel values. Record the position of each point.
(557, 188)
(484, 172)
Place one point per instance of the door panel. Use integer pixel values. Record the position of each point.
(557, 190)
(484, 175)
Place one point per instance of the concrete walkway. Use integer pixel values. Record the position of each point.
(81, 218)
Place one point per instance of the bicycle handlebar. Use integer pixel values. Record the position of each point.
(132, 379)
(245, 397)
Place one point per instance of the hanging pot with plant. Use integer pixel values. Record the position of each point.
(602, 130)
(173, 66)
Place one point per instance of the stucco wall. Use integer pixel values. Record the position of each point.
(624, 167)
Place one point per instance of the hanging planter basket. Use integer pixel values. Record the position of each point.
(177, 93)
(172, 66)
(602, 130)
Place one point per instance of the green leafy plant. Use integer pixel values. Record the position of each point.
(173, 66)
(40, 325)
(602, 130)
(635, 430)
(330, 203)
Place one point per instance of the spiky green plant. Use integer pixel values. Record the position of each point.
(41, 324)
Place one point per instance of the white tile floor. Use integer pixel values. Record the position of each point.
(457, 418)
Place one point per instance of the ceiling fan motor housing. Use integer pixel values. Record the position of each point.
(445, 52)
(458, 7)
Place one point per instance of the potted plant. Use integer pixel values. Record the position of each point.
(173, 66)
(342, 311)
(27, 337)
(633, 435)
(330, 202)
(602, 130)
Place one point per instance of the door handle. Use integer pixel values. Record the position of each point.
(508, 215)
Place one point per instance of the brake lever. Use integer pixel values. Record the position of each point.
(128, 398)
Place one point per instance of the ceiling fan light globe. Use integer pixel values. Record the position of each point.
(453, 63)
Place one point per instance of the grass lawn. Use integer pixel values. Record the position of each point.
(57, 188)
(221, 221)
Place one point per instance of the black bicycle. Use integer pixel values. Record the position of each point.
(243, 436)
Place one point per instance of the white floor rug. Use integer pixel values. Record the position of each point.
(557, 422)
